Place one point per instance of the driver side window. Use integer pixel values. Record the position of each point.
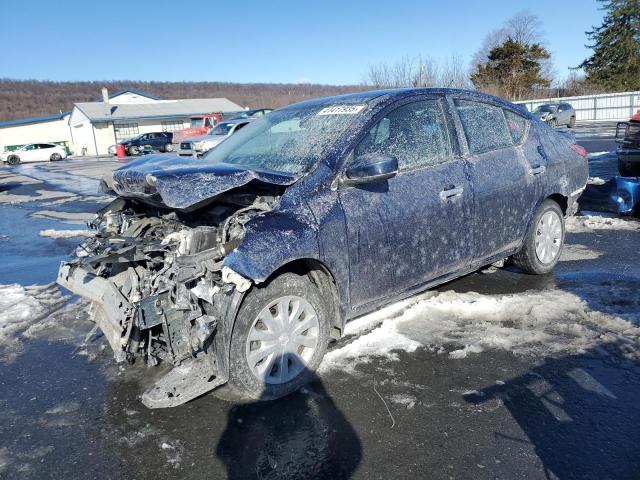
(416, 134)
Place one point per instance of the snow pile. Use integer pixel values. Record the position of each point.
(66, 233)
(588, 223)
(22, 307)
(537, 322)
(596, 181)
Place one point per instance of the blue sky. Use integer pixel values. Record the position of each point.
(262, 41)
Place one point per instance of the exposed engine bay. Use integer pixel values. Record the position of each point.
(158, 288)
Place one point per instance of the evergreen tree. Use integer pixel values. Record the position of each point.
(513, 68)
(615, 63)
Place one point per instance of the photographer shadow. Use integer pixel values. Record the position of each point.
(303, 435)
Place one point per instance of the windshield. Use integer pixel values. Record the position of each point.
(289, 141)
(546, 109)
(196, 122)
(221, 129)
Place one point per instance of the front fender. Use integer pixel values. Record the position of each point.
(273, 240)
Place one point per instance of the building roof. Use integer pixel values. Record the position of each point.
(27, 121)
(163, 108)
(130, 90)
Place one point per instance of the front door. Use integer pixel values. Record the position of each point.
(415, 226)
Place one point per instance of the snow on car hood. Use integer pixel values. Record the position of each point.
(184, 183)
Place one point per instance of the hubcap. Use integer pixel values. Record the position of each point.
(282, 339)
(548, 237)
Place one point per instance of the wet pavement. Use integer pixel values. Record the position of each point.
(522, 410)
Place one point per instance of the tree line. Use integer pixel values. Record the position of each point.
(31, 98)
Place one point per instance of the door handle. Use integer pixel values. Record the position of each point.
(537, 170)
(450, 193)
(542, 153)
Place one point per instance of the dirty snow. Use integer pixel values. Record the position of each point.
(572, 252)
(78, 218)
(21, 308)
(66, 233)
(596, 181)
(464, 324)
(588, 223)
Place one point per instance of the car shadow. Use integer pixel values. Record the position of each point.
(579, 412)
(303, 435)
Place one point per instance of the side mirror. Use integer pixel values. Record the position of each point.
(371, 167)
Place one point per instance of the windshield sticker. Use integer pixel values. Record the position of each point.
(341, 110)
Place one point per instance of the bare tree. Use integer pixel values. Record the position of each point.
(454, 74)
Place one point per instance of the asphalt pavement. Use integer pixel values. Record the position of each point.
(495, 375)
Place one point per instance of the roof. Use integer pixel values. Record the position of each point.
(163, 108)
(27, 121)
(130, 90)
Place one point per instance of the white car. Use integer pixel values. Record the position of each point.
(34, 152)
(198, 146)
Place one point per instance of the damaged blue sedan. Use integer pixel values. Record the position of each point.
(239, 268)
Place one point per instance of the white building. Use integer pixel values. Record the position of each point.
(90, 128)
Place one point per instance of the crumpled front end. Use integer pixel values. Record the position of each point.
(159, 291)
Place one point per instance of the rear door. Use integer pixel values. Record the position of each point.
(415, 226)
(504, 181)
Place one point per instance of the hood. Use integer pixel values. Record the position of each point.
(184, 183)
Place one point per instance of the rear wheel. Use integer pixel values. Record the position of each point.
(168, 147)
(545, 239)
(55, 157)
(572, 122)
(13, 160)
(626, 171)
(279, 338)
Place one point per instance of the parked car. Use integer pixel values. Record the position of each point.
(241, 266)
(628, 137)
(198, 146)
(556, 115)
(254, 113)
(34, 152)
(160, 141)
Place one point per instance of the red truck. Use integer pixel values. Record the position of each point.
(200, 125)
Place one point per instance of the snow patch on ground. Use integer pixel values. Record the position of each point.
(66, 233)
(596, 181)
(6, 197)
(77, 218)
(22, 307)
(573, 252)
(537, 322)
(588, 223)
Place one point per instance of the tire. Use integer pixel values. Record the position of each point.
(532, 258)
(168, 147)
(55, 157)
(13, 160)
(553, 123)
(626, 171)
(572, 122)
(133, 151)
(292, 290)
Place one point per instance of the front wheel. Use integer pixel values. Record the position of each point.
(55, 157)
(168, 147)
(279, 338)
(133, 151)
(545, 239)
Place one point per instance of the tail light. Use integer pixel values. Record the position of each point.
(579, 150)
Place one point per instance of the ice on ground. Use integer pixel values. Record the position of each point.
(573, 252)
(21, 308)
(77, 218)
(536, 322)
(588, 223)
(408, 401)
(66, 233)
(7, 178)
(6, 197)
(600, 154)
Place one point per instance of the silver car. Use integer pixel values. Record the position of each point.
(198, 146)
(556, 114)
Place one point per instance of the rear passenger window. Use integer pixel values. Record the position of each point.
(484, 126)
(416, 134)
(516, 125)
